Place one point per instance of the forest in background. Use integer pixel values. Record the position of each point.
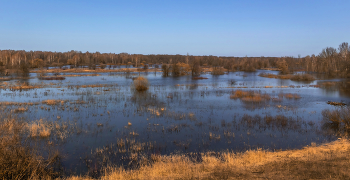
(333, 62)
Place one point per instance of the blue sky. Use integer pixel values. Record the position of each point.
(198, 27)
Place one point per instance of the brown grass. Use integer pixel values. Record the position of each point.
(249, 96)
(52, 102)
(316, 162)
(39, 128)
(18, 158)
(141, 83)
(291, 96)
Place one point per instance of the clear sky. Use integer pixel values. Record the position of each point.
(198, 27)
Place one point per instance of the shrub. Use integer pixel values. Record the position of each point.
(141, 84)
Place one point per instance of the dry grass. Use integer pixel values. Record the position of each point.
(249, 96)
(39, 128)
(52, 102)
(141, 84)
(317, 162)
(291, 96)
(19, 159)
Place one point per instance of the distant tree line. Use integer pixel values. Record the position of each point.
(331, 61)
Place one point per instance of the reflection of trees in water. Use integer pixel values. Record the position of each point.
(337, 121)
(145, 99)
(342, 87)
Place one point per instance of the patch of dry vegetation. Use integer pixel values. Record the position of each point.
(338, 119)
(249, 96)
(290, 96)
(316, 162)
(218, 71)
(141, 83)
(53, 102)
(18, 158)
(39, 128)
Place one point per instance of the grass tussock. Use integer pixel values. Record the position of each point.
(315, 162)
(291, 96)
(249, 96)
(39, 128)
(19, 159)
(52, 102)
(141, 84)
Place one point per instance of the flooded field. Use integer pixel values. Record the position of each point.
(95, 120)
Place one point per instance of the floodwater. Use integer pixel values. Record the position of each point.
(113, 124)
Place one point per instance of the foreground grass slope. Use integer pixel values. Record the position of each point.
(327, 161)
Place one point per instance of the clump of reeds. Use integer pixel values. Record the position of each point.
(141, 83)
(339, 119)
(249, 96)
(302, 77)
(291, 96)
(52, 102)
(39, 128)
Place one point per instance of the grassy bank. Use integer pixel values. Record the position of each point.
(327, 161)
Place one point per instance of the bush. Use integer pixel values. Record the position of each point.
(141, 84)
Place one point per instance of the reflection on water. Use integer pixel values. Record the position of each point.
(113, 124)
